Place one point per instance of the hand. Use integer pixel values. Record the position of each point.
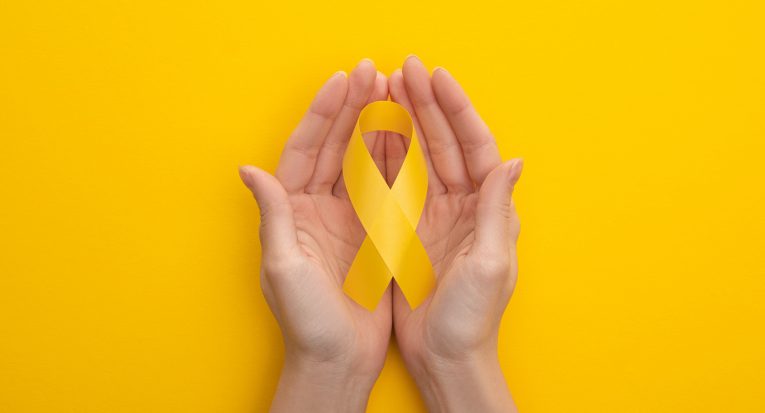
(469, 228)
(334, 348)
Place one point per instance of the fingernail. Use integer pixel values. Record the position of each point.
(413, 56)
(368, 60)
(515, 169)
(441, 69)
(339, 73)
(243, 174)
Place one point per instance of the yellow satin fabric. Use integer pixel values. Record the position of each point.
(392, 248)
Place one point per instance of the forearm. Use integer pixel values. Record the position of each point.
(474, 384)
(306, 386)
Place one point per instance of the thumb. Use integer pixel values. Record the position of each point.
(277, 225)
(497, 225)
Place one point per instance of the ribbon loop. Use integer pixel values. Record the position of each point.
(392, 248)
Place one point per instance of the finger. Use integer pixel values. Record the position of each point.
(395, 152)
(399, 95)
(496, 226)
(376, 146)
(443, 145)
(277, 227)
(361, 83)
(375, 141)
(379, 91)
(300, 153)
(478, 145)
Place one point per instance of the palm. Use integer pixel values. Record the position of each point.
(329, 235)
(328, 231)
(446, 228)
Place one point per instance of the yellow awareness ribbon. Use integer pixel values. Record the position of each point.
(389, 215)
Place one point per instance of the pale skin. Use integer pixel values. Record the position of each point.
(334, 348)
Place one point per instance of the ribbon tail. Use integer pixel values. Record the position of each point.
(415, 278)
(368, 277)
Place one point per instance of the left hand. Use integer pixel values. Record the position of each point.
(334, 348)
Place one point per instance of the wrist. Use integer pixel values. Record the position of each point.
(321, 386)
(472, 382)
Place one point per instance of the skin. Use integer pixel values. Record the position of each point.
(334, 348)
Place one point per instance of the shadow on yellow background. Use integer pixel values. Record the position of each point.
(128, 246)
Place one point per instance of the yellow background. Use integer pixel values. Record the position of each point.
(128, 246)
